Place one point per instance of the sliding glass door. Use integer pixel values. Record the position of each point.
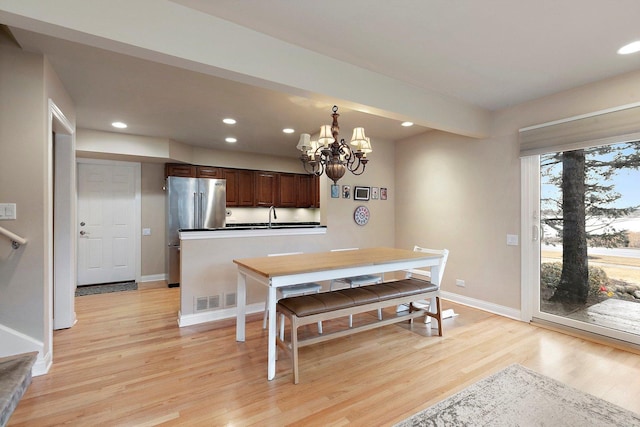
(582, 263)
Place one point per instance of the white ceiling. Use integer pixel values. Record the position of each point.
(491, 53)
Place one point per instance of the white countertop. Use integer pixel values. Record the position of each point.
(255, 232)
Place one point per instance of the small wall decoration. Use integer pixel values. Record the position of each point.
(361, 193)
(375, 191)
(346, 191)
(335, 191)
(383, 193)
(361, 215)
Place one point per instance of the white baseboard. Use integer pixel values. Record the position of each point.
(14, 342)
(210, 316)
(483, 305)
(153, 278)
(229, 313)
(42, 365)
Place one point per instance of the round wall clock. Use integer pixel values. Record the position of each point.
(361, 215)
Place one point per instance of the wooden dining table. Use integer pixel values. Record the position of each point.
(285, 270)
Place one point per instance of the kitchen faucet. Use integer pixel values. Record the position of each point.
(272, 209)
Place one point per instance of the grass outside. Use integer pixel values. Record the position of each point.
(615, 267)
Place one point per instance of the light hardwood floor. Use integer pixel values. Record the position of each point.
(127, 363)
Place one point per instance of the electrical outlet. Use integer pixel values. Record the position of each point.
(460, 282)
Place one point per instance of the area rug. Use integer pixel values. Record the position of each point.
(517, 396)
(106, 288)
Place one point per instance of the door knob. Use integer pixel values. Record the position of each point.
(82, 233)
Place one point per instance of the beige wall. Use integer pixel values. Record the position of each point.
(26, 83)
(22, 181)
(153, 209)
(464, 194)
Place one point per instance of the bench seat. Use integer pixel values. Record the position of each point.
(307, 309)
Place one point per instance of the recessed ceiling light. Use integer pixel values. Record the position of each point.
(231, 140)
(229, 121)
(288, 130)
(629, 48)
(407, 124)
(119, 125)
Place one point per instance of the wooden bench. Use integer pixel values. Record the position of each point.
(308, 309)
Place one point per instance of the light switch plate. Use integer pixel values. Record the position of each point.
(7, 211)
(146, 232)
(512, 239)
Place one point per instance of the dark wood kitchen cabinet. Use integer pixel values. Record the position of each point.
(266, 184)
(179, 169)
(247, 187)
(239, 187)
(192, 171)
(208, 172)
(307, 191)
(287, 190)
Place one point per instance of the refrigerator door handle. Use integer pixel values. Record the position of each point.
(195, 211)
(200, 213)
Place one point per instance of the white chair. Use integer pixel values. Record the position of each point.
(355, 281)
(426, 275)
(290, 291)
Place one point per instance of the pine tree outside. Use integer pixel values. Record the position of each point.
(590, 217)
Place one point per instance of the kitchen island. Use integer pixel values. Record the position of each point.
(208, 276)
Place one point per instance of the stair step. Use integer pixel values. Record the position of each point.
(15, 377)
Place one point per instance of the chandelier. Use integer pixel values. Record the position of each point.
(327, 155)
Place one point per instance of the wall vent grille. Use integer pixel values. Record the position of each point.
(230, 299)
(207, 303)
(214, 301)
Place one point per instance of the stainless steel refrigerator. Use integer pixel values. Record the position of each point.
(192, 204)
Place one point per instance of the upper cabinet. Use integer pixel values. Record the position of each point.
(179, 169)
(307, 191)
(287, 190)
(266, 184)
(192, 171)
(208, 172)
(239, 187)
(257, 188)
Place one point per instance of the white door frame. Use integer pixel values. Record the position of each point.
(136, 210)
(58, 284)
(64, 212)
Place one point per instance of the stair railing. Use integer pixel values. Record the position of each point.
(16, 240)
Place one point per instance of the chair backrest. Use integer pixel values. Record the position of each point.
(426, 273)
(285, 253)
(344, 249)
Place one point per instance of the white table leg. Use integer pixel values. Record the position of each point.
(241, 304)
(271, 367)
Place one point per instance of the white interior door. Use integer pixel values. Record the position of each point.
(106, 222)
